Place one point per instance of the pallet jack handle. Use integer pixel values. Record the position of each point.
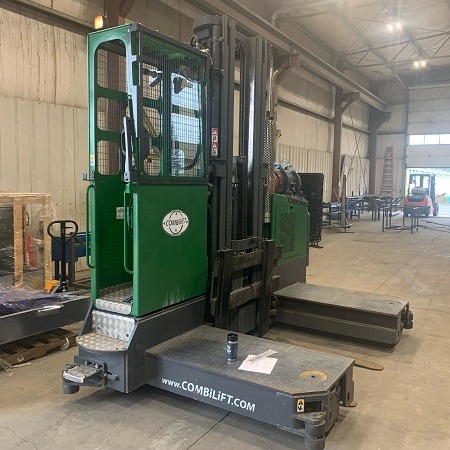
(63, 239)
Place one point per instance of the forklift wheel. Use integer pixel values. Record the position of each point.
(70, 388)
(427, 212)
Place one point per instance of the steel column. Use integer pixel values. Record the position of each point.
(337, 138)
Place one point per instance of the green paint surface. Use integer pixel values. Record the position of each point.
(168, 268)
(290, 227)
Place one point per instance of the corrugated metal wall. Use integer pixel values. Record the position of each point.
(43, 149)
(429, 110)
(43, 117)
(309, 161)
(41, 62)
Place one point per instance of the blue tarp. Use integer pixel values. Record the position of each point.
(18, 300)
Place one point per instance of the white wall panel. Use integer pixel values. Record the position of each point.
(354, 143)
(357, 115)
(397, 122)
(433, 156)
(309, 161)
(397, 142)
(43, 148)
(41, 62)
(398, 189)
(429, 110)
(429, 93)
(357, 171)
(429, 113)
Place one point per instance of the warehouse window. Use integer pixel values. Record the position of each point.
(416, 139)
(429, 139)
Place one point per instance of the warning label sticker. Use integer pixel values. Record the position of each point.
(300, 405)
(214, 141)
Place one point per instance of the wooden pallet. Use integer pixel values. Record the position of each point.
(34, 347)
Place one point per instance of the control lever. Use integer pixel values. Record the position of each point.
(127, 157)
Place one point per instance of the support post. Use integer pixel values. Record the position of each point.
(341, 102)
(113, 12)
(337, 138)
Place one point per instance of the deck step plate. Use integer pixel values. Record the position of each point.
(78, 374)
(112, 325)
(100, 343)
(116, 299)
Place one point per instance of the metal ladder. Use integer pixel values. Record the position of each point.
(388, 172)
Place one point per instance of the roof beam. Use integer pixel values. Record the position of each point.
(349, 24)
(380, 47)
(404, 62)
(248, 21)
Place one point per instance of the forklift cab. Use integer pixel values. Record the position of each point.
(421, 194)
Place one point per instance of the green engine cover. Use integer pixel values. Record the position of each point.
(290, 227)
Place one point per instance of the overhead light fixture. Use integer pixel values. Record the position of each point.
(100, 22)
(420, 63)
(394, 25)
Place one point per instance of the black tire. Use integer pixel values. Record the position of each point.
(436, 210)
(405, 214)
(427, 212)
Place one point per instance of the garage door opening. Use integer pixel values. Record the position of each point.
(422, 182)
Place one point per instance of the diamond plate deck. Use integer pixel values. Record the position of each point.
(100, 343)
(116, 299)
(112, 325)
(78, 374)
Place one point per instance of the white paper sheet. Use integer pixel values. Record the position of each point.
(263, 365)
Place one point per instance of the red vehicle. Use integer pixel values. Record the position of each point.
(421, 194)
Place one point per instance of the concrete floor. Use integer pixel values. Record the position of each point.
(403, 407)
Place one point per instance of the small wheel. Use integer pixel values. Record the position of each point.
(70, 388)
(427, 212)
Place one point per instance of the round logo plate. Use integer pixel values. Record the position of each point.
(175, 222)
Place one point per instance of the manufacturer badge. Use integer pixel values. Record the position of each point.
(175, 222)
